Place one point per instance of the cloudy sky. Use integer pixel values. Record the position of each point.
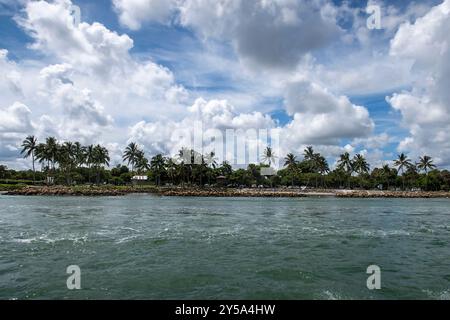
(138, 70)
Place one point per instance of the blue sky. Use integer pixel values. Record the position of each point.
(137, 71)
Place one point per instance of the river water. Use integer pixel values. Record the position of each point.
(150, 247)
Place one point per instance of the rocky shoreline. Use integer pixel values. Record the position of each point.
(219, 192)
(63, 191)
(392, 194)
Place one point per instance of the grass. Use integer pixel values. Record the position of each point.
(9, 187)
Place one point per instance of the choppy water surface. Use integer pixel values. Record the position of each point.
(148, 247)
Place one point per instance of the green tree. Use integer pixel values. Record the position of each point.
(100, 158)
(290, 161)
(345, 163)
(141, 164)
(131, 155)
(425, 164)
(157, 166)
(402, 162)
(268, 156)
(29, 146)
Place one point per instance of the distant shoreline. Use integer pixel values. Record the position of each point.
(218, 192)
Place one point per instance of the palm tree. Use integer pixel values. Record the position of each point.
(48, 153)
(51, 144)
(89, 158)
(67, 159)
(291, 162)
(157, 166)
(142, 164)
(308, 153)
(345, 163)
(425, 164)
(211, 159)
(211, 162)
(171, 169)
(80, 154)
(184, 158)
(387, 174)
(360, 164)
(402, 162)
(131, 154)
(100, 158)
(321, 165)
(268, 155)
(310, 158)
(29, 146)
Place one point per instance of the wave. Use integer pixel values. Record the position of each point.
(438, 295)
(46, 239)
(330, 295)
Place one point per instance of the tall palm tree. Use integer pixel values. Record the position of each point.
(310, 158)
(291, 162)
(142, 164)
(29, 146)
(321, 164)
(131, 154)
(184, 159)
(171, 169)
(268, 156)
(360, 164)
(47, 153)
(42, 156)
(157, 165)
(80, 154)
(387, 174)
(100, 158)
(89, 158)
(211, 162)
(345, 162)
(425, 164)
(51, 144)
(211, 159)
(308, 153)
(67, 159)
(402, 162)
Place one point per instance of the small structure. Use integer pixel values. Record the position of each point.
(137, 180)
(268, 171)
(221, 181)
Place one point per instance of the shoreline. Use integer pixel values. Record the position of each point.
(100, 191)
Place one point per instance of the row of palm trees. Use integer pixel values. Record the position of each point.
(190, 166)
(316, 163)
(67, 156)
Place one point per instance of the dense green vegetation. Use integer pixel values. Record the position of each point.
(73, 164)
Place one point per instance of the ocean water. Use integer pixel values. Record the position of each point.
(149, 247)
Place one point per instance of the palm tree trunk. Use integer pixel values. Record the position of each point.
(403, 179)
(34, 170)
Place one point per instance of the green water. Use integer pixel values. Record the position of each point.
(148, 247)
